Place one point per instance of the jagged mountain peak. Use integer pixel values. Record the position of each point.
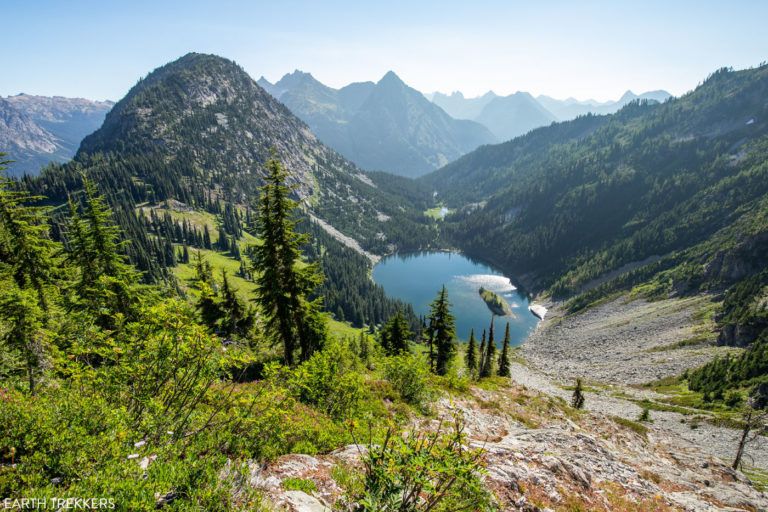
(296, 76)
(386, 125)
(390, 79)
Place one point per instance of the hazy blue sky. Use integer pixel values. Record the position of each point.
(98, 49)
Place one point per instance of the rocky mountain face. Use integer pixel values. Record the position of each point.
(201, 128)
(36, 130)
(25, 142)
(380, 126)
(540, 456)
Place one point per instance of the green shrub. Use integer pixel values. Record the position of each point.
(423, 471)
(733, 398)
(331, 381)
(409, 375)
(299, 484)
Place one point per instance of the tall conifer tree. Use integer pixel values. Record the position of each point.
(486, 369)
(285, 282)
(27, 260)
(470, 359)
(395, 334)
(443, 330)
(504, 363)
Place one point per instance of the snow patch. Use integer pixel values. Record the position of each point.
(538, 310)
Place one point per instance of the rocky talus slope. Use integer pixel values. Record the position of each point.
(542, 455)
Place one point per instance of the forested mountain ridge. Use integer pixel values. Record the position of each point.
(200, 129)
(665, 199)
(600, 180)
(181, 159)
(383, 126)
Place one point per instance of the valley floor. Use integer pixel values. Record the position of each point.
(617, 346)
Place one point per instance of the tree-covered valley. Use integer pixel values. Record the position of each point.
(188, 319)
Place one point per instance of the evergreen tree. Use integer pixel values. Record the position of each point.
(105, 283)
(237, 318)
(486, 369)
(483, 353)
(471, 357)
(504, 363)
(577, 399)
(206, 238)
(365, 349)
(222, 244)
(284, 285)
(25, 247)
(443, 330)
(208, 306)
(203, 270)
(27, 258)
(395, 335)
(23, 317)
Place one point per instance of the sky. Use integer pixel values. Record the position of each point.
(585, 49)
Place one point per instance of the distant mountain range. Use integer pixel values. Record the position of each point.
(37, 130)
(510, 116)
(386, 125)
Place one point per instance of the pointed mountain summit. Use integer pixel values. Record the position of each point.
(390, 78)
(513, 115)
(385, 125)
(201, 128)
(266, 85)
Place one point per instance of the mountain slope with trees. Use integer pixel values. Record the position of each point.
(668, 199)
(190, 141)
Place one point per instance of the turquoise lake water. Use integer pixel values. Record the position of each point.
(416, 278)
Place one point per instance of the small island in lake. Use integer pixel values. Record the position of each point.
(496, 303)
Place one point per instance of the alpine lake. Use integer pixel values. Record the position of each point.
(416, 278)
